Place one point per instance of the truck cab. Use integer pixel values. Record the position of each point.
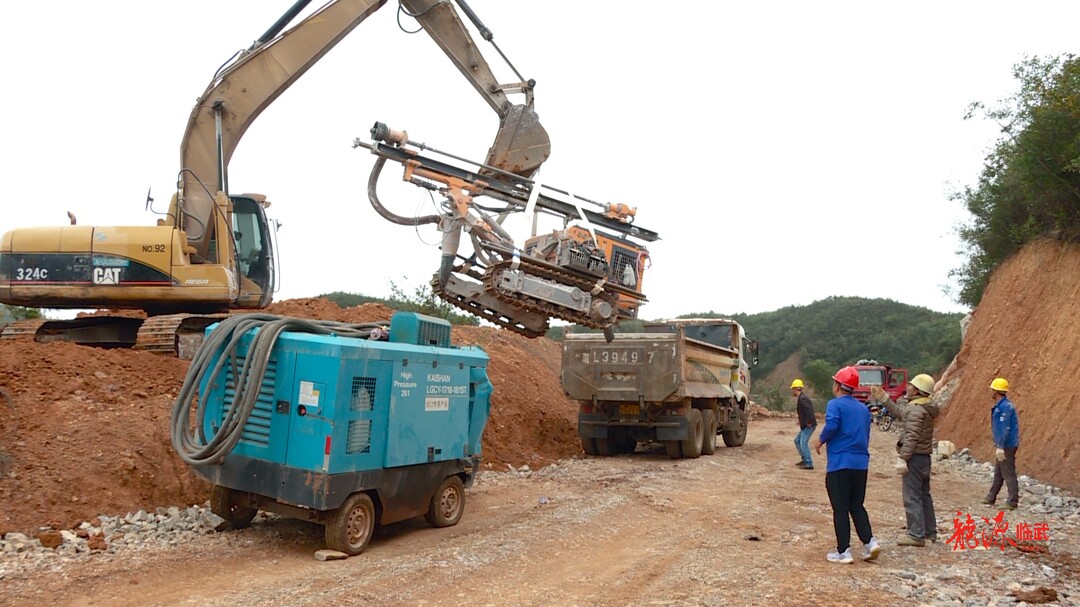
(872, 373)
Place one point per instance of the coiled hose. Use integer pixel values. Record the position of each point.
(192, 444)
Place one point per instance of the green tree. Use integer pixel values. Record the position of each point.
(626, 326)
(819, 377)
(887, 330)
(10, 313)
(772, 397)
(424, 301)
(349, 300)
(1030, 184)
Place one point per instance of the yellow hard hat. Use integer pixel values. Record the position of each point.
(797, 384)
(1000, 384)
(923, 383)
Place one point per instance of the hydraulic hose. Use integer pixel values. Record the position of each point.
(219, 352)
(373, 196)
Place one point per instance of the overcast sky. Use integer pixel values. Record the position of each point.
(785, 151)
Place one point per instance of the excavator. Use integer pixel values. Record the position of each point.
(214, 251)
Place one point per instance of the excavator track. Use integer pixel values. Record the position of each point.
(23, 330)
(175, 334)
(98, 331)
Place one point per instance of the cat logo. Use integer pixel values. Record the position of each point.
(106, 276)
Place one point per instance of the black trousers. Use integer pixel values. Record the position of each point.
(1005, 473)
(847, 490)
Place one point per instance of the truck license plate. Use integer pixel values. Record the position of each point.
(629, 410)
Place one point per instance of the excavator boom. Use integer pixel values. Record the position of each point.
(243, 89)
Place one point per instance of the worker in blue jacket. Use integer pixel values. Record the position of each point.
(847, 439)
(1005, 429)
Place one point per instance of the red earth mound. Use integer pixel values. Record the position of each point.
(1025, 329)
(86, 431)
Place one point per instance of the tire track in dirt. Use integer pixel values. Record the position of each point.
(740, 527)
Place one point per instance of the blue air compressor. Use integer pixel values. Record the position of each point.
(345, 425)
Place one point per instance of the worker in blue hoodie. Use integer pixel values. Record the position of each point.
(1005, 429)
(847, 439)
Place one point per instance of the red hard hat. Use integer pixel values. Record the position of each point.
(848, 377)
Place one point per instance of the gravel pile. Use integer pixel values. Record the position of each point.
(113, 534)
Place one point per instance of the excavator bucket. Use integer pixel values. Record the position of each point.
(521, 144)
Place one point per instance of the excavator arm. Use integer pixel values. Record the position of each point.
(244, 88)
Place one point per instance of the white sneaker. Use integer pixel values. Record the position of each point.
(840, 557)
(871, 550)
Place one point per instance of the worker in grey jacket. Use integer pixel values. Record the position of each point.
(916, 415)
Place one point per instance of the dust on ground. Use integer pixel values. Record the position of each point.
(740, 527)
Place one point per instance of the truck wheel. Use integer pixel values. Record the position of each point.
(588, 445)
(691, 447)
(708, 417)
(350, 527)
(607, 446)
(673, 448)
(736, 437)
(447, 504)
(227, 504)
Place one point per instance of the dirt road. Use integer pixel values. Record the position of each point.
(741, 527)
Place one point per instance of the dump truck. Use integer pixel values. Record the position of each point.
(680, 383)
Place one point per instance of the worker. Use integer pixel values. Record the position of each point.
(878, 397)
(807, 422)
(916, 416)
(1005, 429)
(847, 436)
(878, 403)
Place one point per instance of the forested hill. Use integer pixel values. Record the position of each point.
(841, 330)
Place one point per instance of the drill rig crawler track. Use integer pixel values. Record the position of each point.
(517, 311)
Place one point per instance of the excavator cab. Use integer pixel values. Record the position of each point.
(254, 249)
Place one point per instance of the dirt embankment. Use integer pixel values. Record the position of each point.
(87, 432)
(1026, 330)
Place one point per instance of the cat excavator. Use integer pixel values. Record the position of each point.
(214, 250)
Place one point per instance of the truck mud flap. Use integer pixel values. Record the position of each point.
(592, 426)
(667, 427)
(672, 427)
